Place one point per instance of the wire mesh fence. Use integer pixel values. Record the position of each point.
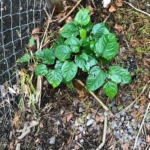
(17, 19)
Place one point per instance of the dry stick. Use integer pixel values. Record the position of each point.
(106, 18)
(93, 3)
(104, 134)
(38, 83)
(137, 9)
(101, 103)
(39, 78)
(70, 11)
(141, 125)
(125, 109)
(49, 21)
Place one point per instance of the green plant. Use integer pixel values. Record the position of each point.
(84, 47)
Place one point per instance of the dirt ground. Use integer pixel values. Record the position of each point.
(71, 119)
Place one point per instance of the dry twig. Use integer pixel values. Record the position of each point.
(106, 18)
(141, 11)
(141, 125)
(39, 78)
(104, 134)
(125, 109)
(101, 103)
(70, 11)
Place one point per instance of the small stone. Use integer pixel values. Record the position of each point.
(136, 106)
(123, 113)
(105, 114)
(112, 104)
(57, 122)
(121, 131)
(130, 137)
(122, 119)
(120, 124)
(90, 122)
(81, 140)
(114, 109)
(81, 129)
(52, 140)
(90, 129)
(117, 134)
(97, 128)
(139, 142)
(139, 125)
(81, 109)
(130, 130)
(88, 116)
(39, 148)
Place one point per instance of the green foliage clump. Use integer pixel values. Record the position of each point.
(86, 47)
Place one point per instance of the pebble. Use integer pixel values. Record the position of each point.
(113, 125)
(81, 140)
(52, 140)
(114, 109)
(123, 113)
(130, 130)
(39, 148)
(90, 122)
(122, 119)
(81, 128)
(88, 116)
(90, 129)
(81, 109)
(57, 122)
(97, 128)
(136, 106)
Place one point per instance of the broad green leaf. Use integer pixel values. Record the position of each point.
(88, 27)
(58, 64)
(74, 44)
(84, 56)
(106, 46)
(119, 75)
(82, 17)
(24, 58)
(80, 62)
(62, 52)
(86, 42)
(39, 54)
(31, 41)
(75, 49)
(85, 61)
(60, 40)
(73, 41)
(92, 60)
(95, 79)
(92, 45)
(83, 33)
(110, 89)
(41, 70)
(69, 30)
(99, 29)
(86, 68)
(69, 70)
(48, 57)
(54, 77)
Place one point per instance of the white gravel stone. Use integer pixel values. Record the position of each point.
(90, 122)
(52, 140)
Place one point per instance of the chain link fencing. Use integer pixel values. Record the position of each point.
(17, 19)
